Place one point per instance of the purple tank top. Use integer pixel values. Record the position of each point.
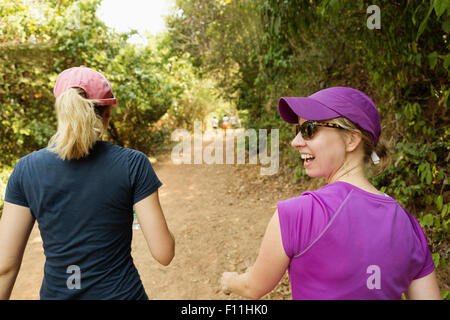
(347, 243)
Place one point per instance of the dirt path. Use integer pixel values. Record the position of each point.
(218, 215)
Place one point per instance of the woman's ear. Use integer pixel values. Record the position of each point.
(353, 139)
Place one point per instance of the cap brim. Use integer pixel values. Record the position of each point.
(106, 102)
(290, 108)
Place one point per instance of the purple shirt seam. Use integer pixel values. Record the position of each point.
(325, 229)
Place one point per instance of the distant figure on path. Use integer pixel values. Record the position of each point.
(233, 122)
(215, 123)
(225, 122)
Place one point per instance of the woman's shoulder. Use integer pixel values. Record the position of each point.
(295, 204)
(330, 190)
(326, 197)
(335, 189)
(37, 155)
(111, 147)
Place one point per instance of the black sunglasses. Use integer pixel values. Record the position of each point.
(309, 128)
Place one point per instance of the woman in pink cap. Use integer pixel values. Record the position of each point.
(82, 192)
(347, 240)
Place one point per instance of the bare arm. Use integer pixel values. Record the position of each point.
(15, 228)
(425, 288)
(269, 267)
(153, 224)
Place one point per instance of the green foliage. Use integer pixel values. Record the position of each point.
(157, 91)
(39, 39)
(145, 93)
(445, 295)
(5, 172)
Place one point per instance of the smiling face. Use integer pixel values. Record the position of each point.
(325, 154)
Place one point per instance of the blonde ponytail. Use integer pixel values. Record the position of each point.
(383, 153)
(79, 126)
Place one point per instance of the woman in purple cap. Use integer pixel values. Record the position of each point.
(82, 192)
(347, 240)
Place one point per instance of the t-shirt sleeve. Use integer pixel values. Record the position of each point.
(299, 227)
(428, 265)
(14, 189)
(143, 178)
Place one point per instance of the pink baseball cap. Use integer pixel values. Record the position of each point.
(96, 86)
(332, 103)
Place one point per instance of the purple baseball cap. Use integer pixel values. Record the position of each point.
(332, 103)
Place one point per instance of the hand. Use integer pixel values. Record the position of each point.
(226, 276)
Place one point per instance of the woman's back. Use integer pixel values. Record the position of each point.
(84, 212)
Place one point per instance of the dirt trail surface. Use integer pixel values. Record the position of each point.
(218, 215)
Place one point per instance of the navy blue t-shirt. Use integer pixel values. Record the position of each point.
(84, 210)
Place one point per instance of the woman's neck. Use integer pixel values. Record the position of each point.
(356, 176)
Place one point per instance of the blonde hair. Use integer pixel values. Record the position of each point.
(80, 125)
(381, 148)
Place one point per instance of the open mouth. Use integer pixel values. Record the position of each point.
(307, 158)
